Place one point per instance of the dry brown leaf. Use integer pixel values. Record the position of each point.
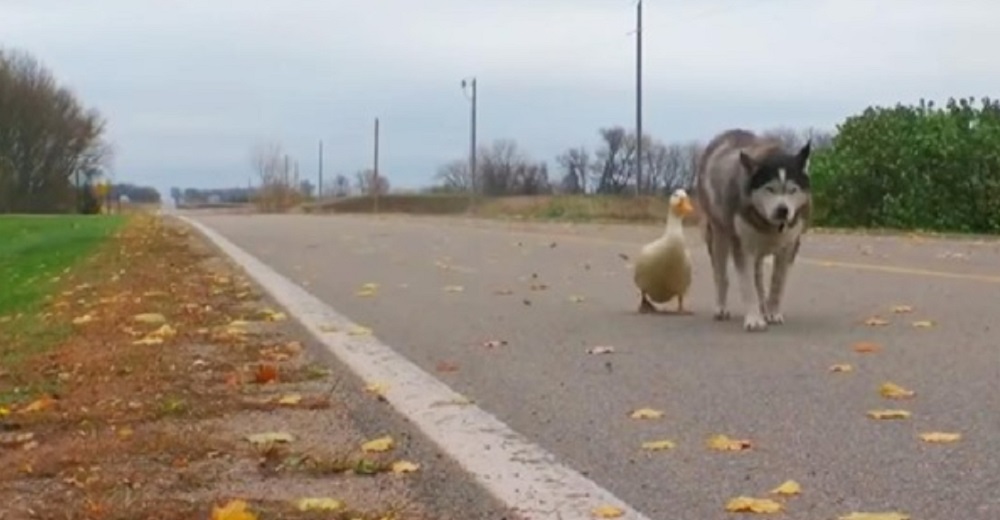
(866, 347)
(789, 487)
(378, 445)
(266, 373)
(923, 324)
(875, 516)
(494, 343)
(378, 389)
(83, 320)
(891, 390)
(889, 414)
(269, 437)
(328, 328)
(149, 340)
(152, 318)
(940, 437)
(234, 510)
(503, 292)
(841, 367)
(359, 331)
(876, 321)
(290, 399)
(601, 349)
(446, 366)
(318, 504)
(745, 504)
(41, 404)
(646, 413)
(725, 443)
(576, 298)
(659, 445)
(902, 309)
(607, 511)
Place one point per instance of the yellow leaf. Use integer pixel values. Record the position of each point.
(725, 443)
(4, 411)
(888, 414)
(841, 367)
(378, 445)
(318, 504)
(83, 320)
(269, 437)
(359, 331)
(893, 391)
(370, 286)
(377, 388)
(38, 405)
(234, 510)
(290, 399)
(404, 466)
(327, 328)
(658, 445)
(940, 437)
(365, 292)
(454, 288)
(152, 318)
(148, 340)
(789, 487)
(866, 347)
(646, 413)
(876, 516)
(607, 512)
(923, 324)
(576, 299)
(752, 505)
(125, 432)
(165, 331)
(902, 309)
(875, 321)
(270, 315)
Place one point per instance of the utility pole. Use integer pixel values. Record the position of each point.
(375, 183)
(472, 146)
(638, 98)
(319, 189)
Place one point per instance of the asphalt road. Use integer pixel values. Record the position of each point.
(774, 388)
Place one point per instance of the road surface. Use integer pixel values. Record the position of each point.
(550, 292)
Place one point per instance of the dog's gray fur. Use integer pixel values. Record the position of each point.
(742, 181)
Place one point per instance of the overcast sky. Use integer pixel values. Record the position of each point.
(189, 86)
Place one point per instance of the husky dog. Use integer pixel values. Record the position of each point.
(755, 202)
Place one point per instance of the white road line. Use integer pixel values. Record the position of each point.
(520, 474)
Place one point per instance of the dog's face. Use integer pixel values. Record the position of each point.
(779, 184)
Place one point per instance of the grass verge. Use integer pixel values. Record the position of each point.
(178, 392)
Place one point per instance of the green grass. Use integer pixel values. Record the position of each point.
(36, 250)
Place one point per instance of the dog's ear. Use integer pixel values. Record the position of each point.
(803, 156)
(748, 163)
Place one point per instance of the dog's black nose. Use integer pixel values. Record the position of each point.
(781, 213)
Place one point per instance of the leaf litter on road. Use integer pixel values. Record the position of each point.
(600, 350)
(923, 324)
(940, 437)
(721, 442)
(902, 309)
(660, 445)
(841, 367)
(866, 347)
(607, 511)
(789, 487)
(745, 504)
(891, 390)
(646, 414)
(233, 510)
(889, 414)
(876, 321)
(891, 515)
(378, 445)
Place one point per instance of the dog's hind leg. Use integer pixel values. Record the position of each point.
(746, 269)
(719, 251)
(782, 263)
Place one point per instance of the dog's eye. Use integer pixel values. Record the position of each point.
(792, 190)
(772, 190)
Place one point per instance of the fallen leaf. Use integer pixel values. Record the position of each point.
(328, 328)
(607, 512)
(404, 466)
(940, 437)
(266, 373)
(494, 343)
(646, 413)
(866, 347)
(234, 510)
(889, 414)
(789, 487)
(902, 309)
(601, 349)
(744, 504)
(152, 318)
(270, 315)
(359, 331)
(269, 437)
(4, 411)
(290, 399)
(378, 445)
(923, 324)
(841, 367)
(446, 366)
(623, 256)
(165, 331)
(378, 389)
(41, 404)
(148, 340)
(891, 390)
(875, 321)
(453, 288)
(658, 445)
(576, 298)
(125, 432)
(318, 504)
(503, 292)
(539, 287)
(875, 516)
(12, 440)
(726, 443)
(83, 320)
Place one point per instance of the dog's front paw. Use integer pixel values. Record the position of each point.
(754, 322)
(774, 318)
(721, 314)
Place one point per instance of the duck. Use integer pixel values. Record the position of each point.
(663, 267)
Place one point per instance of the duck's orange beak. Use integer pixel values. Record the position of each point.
(684, 207)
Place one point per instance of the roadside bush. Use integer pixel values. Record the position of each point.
(913, 167)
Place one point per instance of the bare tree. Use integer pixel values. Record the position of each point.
(503, 169)
(279, 184)
(576, 166)
(454, 176)
(341, 186)
(365, 181)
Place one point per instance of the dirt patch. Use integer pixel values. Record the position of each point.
(179, 391)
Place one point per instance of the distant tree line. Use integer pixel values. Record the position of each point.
(136, 194)
(51, 146)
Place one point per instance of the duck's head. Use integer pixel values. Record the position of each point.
(680, 203)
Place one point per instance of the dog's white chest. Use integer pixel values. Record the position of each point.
(765, 243)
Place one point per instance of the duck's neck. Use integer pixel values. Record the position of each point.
(674, 225)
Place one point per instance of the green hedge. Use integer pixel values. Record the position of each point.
(913, 167)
